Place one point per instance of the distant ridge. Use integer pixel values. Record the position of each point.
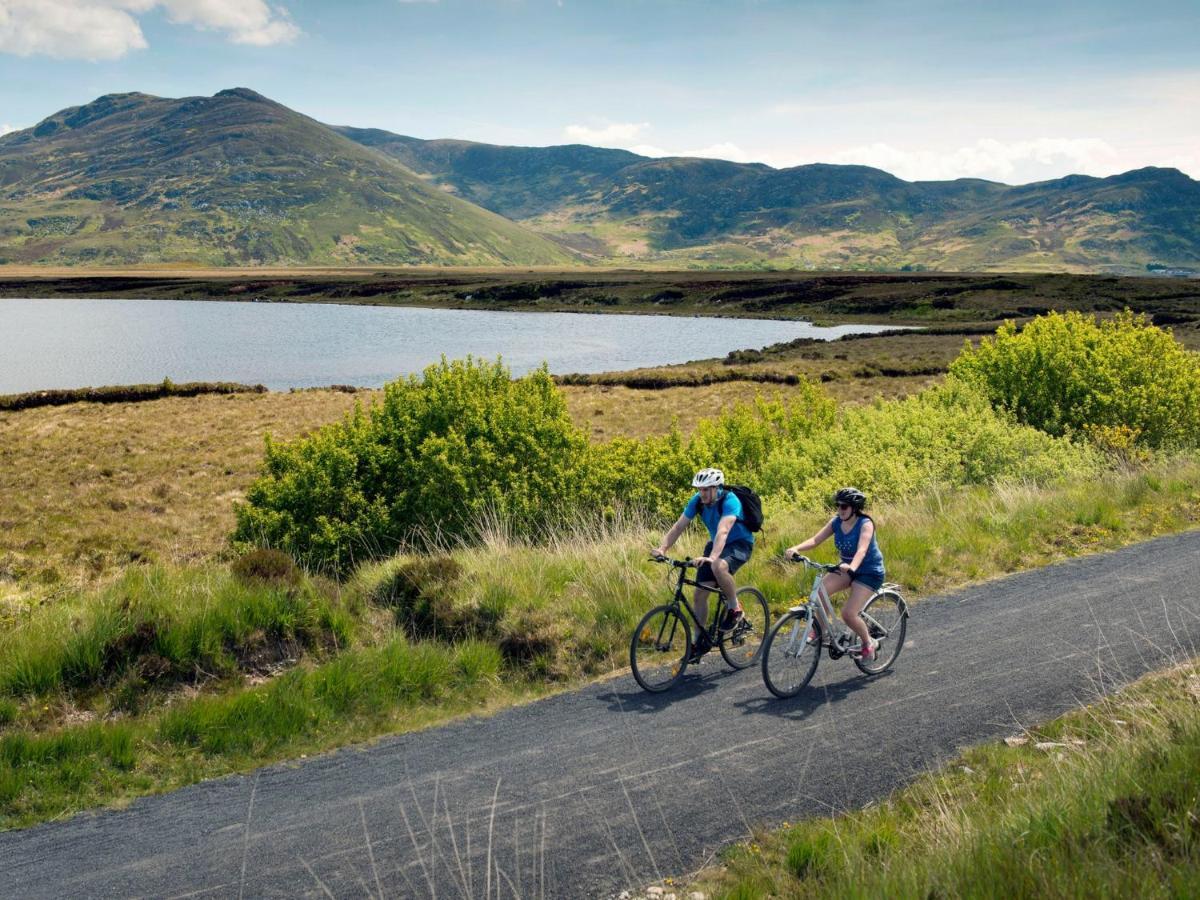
(622, 205)
(238, 179)
(231, 179)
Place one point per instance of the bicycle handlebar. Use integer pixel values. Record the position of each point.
(808, 563)
(676, 563)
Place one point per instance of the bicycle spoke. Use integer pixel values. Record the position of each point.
(742, 644)
(659, 649)
(886, 618)
(790, 654)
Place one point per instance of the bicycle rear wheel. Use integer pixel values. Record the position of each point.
(741, 645)
(660, 648)
(886, 615)
(791, 653)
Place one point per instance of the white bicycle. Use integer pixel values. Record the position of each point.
(793, 647)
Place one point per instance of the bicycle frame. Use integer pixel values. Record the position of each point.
(681, 600)
(820, 606)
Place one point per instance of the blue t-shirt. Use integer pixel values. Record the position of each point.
(727, 504)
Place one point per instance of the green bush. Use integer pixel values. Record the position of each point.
(1068, 374)
(946, 436)
(653, 474)
(437, 456)
(465, 440)
(800, 452)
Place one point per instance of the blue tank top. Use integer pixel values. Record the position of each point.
(847, 545)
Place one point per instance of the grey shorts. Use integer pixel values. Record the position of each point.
(735, 555)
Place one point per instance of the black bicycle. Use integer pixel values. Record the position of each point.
(662, 642)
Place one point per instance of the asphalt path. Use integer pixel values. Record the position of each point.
(588, 793)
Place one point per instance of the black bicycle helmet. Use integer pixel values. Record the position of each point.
(852, 495)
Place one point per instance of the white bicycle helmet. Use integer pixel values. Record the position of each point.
(708, 478)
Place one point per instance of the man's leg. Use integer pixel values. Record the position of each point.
(700, 600)
(725, 580)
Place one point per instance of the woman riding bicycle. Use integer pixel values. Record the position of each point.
(861, 568)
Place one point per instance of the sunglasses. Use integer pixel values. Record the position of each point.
(843, 506)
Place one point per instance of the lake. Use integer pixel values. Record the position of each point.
(88, 343)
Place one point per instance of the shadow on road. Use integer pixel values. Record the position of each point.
(809, 700)
(691, 686)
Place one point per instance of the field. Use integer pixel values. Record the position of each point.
(131, 633)
(90, 488)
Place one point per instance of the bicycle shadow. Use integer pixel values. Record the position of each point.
(692, 685)
(809, 700)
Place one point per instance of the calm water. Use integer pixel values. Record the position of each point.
(81, 343)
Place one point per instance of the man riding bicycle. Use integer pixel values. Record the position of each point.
(728, 549)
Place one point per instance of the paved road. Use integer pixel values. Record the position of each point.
(585, 794)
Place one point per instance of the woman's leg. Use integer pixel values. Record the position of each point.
(859, 595)
(833, 582)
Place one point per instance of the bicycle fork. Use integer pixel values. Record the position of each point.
(801, 633)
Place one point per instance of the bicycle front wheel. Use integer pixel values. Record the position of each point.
(791, 653)
(741, 645)
(660, 648)
(886, 615)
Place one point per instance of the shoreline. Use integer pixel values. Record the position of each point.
(820, 297)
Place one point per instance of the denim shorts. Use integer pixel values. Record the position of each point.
(735, 554)
(873, 580)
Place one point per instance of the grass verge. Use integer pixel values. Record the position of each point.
(1102, 802)
(430, 638)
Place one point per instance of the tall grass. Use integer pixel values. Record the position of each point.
(390, 687)
(160, 625)
(1102, 802)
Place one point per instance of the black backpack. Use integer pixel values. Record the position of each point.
(752, 514)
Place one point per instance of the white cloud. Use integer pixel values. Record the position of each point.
(108, 29)
(615, 134)
(627, 136)
(76, 29)
(246, 21)
(1007, 161)
(5, 128)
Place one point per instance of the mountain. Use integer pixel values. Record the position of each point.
(231, 179)
(618, 206)
(238, 179)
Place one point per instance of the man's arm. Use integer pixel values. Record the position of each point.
(723, 529)
(672, 536)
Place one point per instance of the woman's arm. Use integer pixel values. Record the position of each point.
(822, 535)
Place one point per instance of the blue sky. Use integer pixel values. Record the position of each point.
(1014, 91)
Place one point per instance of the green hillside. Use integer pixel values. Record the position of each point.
(231, 179)
(237, 179)
(621, 207)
